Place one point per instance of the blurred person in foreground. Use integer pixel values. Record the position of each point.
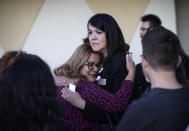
(166, 106)
(28, 96)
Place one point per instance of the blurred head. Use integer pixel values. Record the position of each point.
(82, 58)
(8, 59)
(105, 35)
(29, 95)
(161, 50)
(148, 21)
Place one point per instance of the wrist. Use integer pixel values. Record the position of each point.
(130, 76)
(82, 106)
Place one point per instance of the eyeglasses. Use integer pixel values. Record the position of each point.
(92, 65)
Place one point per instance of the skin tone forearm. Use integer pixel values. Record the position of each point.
(130, 68)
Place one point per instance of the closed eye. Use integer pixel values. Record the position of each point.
(89, 32)
(99, 32)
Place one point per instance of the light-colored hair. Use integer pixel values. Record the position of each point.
(75, 62)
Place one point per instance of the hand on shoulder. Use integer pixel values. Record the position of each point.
(65, 81)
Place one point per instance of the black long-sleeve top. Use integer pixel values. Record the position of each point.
(113, 73)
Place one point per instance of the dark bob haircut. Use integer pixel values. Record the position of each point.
(114, 35)
(28, 96)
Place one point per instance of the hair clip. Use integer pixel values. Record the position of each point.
(18, 53)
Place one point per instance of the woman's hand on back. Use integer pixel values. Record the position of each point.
(65, 81)
(73, 98)
(130, 67)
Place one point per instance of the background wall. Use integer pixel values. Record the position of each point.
(165, 9)
(1, 51)
(16, 20)
(60, 25)
(58, 30)
(182, 8)
(126, 13)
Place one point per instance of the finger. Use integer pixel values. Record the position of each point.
(67, 90)
(63, 89)
(64, 93)
(128, 60)
(69, 93)
(131, 60)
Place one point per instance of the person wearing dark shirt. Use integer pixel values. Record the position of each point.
(166, 106)
(28, 95)
(140, 84)
(106, 37)
(83, 66)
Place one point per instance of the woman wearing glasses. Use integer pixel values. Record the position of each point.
(106, 37)
(82, 69)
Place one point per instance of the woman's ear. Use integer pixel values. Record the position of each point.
(179, 61)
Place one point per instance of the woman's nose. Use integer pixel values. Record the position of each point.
(93, 36)
(95, 68)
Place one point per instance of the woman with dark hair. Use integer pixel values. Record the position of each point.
(28, 97)
(84, 65)
(105, 36)
(106, 27)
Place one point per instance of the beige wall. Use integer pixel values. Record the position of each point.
(1, 51)
(126, 12)
(182, 23)
(16, 20)
(165, 9)
(58, 30)
(60, 25)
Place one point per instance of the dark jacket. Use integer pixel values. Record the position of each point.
(158, 110)
(57, 125)
(140, 83)
(114, 72)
